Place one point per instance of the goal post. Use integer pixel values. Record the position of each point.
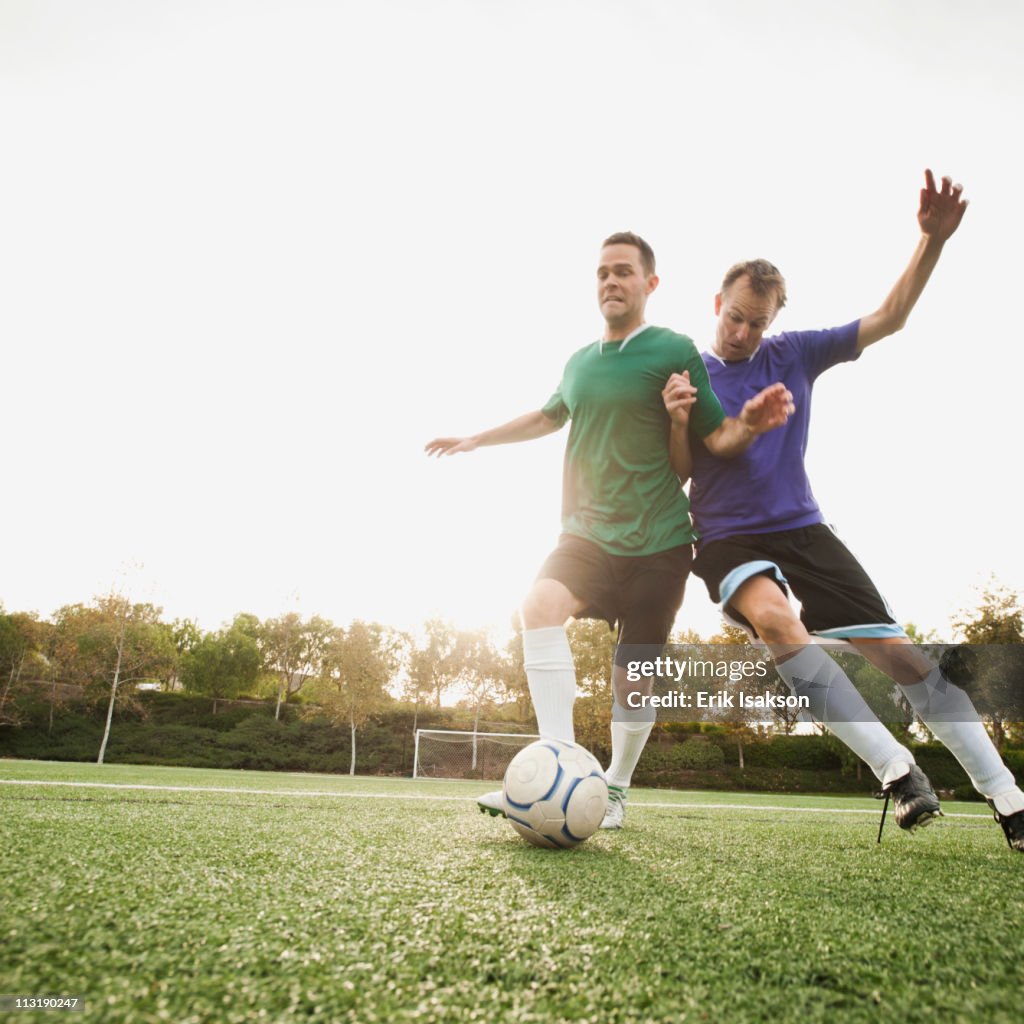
(460, 754)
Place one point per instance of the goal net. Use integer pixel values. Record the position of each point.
(453, 754)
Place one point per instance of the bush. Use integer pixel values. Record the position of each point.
(1015, 762)
(75, 737)
(803, 753)
(180, 729)
(941, 767)
(691, 755)
(683, 729)
(700, 755)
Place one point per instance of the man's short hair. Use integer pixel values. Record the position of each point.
(628, 238)
(765, 279)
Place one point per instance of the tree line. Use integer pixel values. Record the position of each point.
(109, 648)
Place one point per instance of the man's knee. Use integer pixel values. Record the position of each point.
(549, 603)
(766, 607)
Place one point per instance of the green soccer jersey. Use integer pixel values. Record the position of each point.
(618, 488)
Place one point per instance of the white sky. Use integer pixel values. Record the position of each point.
(255, 254)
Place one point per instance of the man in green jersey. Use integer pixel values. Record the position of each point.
(626, 545)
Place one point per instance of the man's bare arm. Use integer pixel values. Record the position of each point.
(939, 215)
(767, 410)
(524, 428)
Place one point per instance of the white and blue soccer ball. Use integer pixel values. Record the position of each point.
(555, 793)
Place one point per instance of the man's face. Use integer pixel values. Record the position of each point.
(743, 317)
(623, 285)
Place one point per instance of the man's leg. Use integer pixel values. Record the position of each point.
(949, 713)
(748, 576)
(810, 672)
(550, 671)
(833, 699)
(652, 594)
(631, 727)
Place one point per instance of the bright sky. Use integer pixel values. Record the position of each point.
(255, 254)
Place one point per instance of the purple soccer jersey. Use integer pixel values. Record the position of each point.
(766, 488)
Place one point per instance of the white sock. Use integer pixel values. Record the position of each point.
(949, 713)
(835, 702)
(551, 675)
(630, 731)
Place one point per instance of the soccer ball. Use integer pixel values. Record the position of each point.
(555, 794)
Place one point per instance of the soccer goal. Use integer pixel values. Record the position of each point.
(453, 754)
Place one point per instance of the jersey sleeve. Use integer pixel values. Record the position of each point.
(556, 409)
(707, 413)
(821, 350)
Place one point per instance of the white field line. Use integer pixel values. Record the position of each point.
(635, 805)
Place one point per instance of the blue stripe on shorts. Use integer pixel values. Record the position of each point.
(738, 576)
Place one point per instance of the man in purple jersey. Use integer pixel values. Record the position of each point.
(761, 530)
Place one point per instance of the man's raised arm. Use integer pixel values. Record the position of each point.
(939, 215)
(524, 428)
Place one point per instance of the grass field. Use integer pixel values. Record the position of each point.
(245, 896)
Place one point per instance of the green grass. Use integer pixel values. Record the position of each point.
(321, 898)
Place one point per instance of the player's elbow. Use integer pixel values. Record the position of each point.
(892, 323)
(880, 325)
(718, 443)
(714, 443)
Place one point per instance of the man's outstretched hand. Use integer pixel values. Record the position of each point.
(768, 409)
(450, 445)
(942, 209)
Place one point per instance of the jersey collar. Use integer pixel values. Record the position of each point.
(718, 359)
(626, 340)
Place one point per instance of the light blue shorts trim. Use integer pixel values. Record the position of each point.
(866, 632)
(744, 572)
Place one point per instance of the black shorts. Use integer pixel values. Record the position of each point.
(836, 596)
(642, 593)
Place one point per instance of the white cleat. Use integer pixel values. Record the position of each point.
(615, 816)
(492, 803)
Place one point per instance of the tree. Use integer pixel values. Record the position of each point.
(998, 619)
(110, 647)
(185, 635)
(294, 650)
(514, 685)
(733, 645)
(357, 667)
(49, 645)
(477, 666)
(222, 665)
(918, 636)
(433, 663)
(990, 670)
(21, 637)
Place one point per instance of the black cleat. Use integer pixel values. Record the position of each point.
(914, 801)
(1013, 827)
